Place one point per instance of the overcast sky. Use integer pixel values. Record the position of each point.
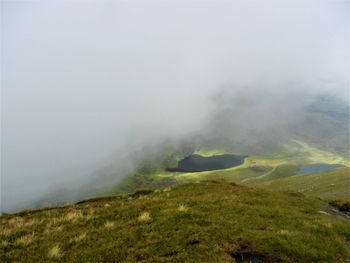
(86, 80)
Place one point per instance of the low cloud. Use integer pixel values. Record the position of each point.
(85, 85)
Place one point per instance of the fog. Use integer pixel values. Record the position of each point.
(85, 84)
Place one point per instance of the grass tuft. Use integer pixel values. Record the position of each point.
(16, 222)
(4, 244)
(79, 238)
(109, 224)
(25, 240)
(144, 216)
(55, 252)
(73, 215)
(182, 208)
(284, 232)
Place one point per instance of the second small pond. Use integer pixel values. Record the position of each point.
(318, 167)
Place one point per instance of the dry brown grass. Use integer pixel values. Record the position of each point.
(57, 229)
(25, 240)
(79, 238)
(73, 215)
(52, 228)
(144, 216)
(6, 231)
(32, 221)
(90, 214)
(12, 225)
(16, 222)
(55, 221)
(109, 224)
(182, 208)
(284, 232)
(326, 224)
(55, 252)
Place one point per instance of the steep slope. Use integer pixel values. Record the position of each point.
(211, 221)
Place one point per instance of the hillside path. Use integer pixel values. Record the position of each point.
(260, 176)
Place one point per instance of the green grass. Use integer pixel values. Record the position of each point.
(255, 170)
(211, 152)
(329, 185)
(197, 222)
(277, 172)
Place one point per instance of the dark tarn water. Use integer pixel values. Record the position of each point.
(197, 163)
(318, 167)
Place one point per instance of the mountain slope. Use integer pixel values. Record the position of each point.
(211, 221)
(328, 185)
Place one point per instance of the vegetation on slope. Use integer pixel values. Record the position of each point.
(329, 185)
(255, 169)
(211, 221)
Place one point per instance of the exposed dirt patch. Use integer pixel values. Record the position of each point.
(340, 208)
(171, 254)
(249, 257)
(194, 242)
(247, 254)
(140, 192)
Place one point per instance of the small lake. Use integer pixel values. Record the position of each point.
(318, 167)
(198, 163)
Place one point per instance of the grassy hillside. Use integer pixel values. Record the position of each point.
(328, 185)
(256, 169)
(211, 221)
